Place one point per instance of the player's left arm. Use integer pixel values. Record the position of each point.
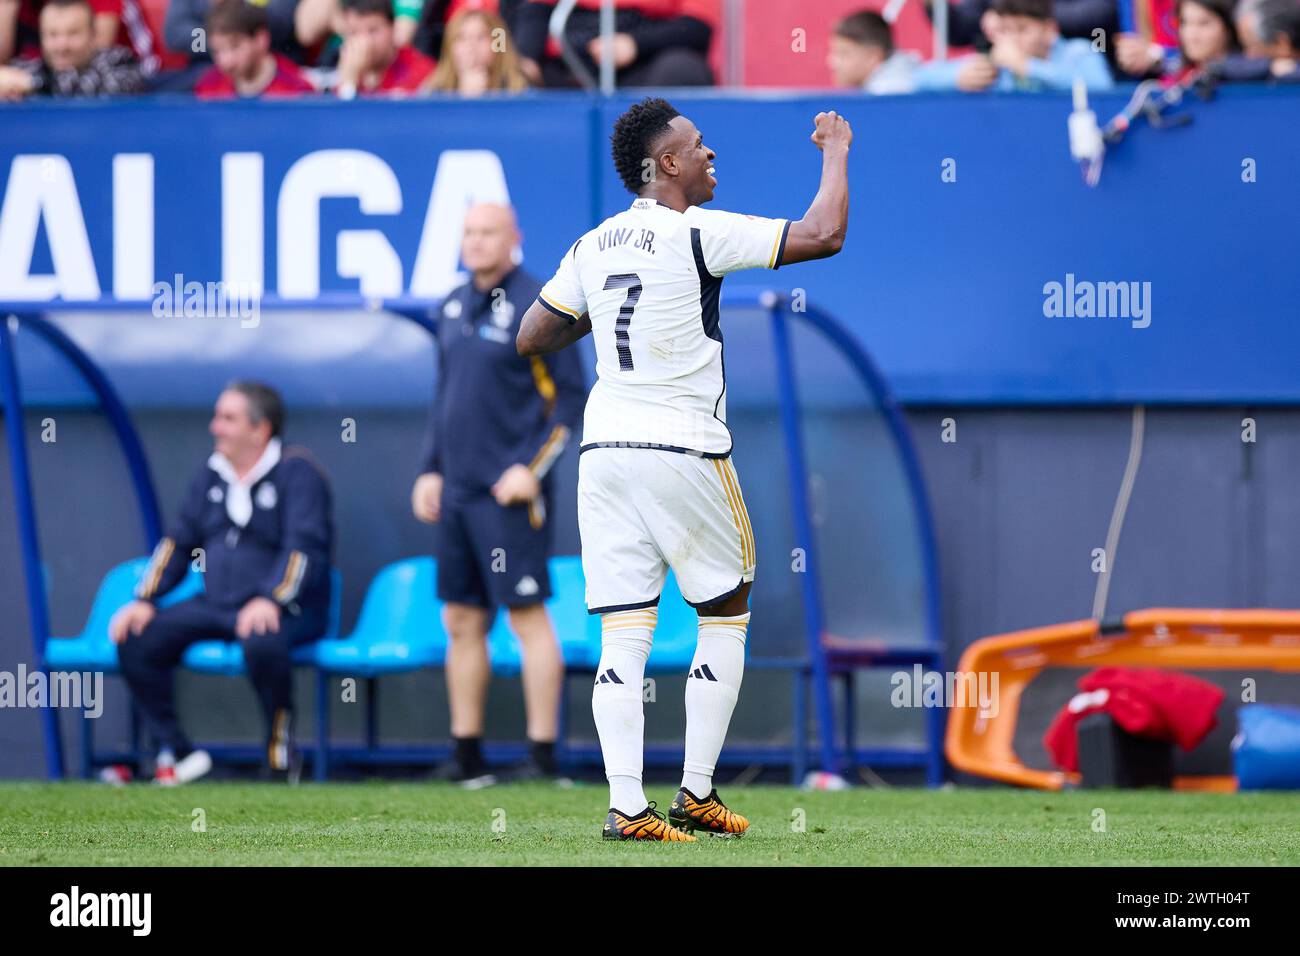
(543, 331)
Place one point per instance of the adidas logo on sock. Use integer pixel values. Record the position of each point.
(703, 673)
(609, 677)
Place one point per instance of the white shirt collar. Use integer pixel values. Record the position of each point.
(645, 202)
(222, 466)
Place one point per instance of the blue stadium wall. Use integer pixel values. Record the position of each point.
(942, 280)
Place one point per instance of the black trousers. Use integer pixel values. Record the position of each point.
(149, 661)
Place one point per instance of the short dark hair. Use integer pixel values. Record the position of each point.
(383, 7)
(71, 3)
(866, 28)
(238, 17)
(1034, 9)
(1276, 18)
(264, 403)
(634, 136)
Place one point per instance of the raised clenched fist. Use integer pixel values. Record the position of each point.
(831, 130)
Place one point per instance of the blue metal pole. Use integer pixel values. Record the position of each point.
(804, 535)
(20, 470)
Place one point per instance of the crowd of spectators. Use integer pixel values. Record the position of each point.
(1049, 44)
(349, 48)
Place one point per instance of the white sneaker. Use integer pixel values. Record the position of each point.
(193, 766)
(164, 769)
(118, 775)
(481, 782)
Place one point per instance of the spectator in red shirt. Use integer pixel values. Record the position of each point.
(239, 39)
(370, 60)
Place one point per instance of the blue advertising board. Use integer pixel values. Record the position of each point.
(979, 268)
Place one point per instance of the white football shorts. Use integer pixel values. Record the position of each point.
(642, 511)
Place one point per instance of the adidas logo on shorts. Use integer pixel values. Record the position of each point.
(527, 585)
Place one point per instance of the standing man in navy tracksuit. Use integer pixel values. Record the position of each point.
(499, 422)
(258, 515)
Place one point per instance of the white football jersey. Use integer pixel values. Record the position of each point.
(650, 278)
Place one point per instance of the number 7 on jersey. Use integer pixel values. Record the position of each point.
(622, 339)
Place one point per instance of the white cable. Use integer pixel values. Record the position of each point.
(1121, 507)
(1087, 146)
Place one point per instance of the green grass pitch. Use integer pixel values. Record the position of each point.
(376, 823)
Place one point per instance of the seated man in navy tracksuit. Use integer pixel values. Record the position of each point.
(256, 522)
(499, 422)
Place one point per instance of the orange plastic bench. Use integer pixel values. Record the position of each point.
(1184, 638)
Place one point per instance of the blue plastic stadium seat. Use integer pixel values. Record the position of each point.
(577, 631)
(227, 657)
(214, 657)
(399, 629)
(92, 649)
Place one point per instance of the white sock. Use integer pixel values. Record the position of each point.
(616, 703)
(627, 792)
(712, 687)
